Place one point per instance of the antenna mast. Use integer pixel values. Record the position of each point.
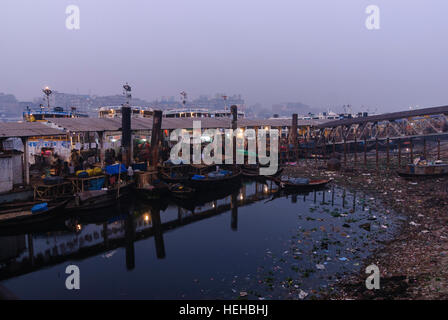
(127, 93)
(184, 97)
(47, 91)
(225, 102)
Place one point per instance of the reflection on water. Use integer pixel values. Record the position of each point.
(252, 241)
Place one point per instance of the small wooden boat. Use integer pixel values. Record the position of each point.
(180, 191)
(156, 190)
(25, 217)
(436, 169)
(302, 184)
(175, 174)
(220, 178)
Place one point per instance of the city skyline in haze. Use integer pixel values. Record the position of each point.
(318, 52)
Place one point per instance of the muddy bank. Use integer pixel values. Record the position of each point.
(415, 264)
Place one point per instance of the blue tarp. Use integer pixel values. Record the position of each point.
(113, 169)
(41, 207)
(197, 177)
(96, 184)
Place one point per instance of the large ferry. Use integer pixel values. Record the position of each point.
(45, 113)
(115, 111)
(200, 113)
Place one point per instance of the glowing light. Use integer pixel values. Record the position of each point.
(146, 217)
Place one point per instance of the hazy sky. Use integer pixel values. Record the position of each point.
(318, 52)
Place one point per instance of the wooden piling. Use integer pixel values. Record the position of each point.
(345, 152)
(292, 138)
(387, 153)
(156, 137)
(438, 149)
(377, 156)
(424, 147)
(365, 152)
(399, 153)
(234, 111)
(412, 150)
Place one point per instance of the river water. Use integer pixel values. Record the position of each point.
(251, 243)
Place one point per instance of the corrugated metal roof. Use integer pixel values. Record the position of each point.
(27, 129)
(87, 124)
(387, 116)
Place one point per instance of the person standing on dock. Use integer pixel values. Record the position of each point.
(130, 173)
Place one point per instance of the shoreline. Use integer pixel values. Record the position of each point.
(413, 264)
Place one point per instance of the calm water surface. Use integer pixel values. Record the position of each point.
(252, 243)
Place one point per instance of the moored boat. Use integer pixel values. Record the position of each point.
(181, 191)
(39, 213)
(423, 168)
(300, 183)
(220, 177)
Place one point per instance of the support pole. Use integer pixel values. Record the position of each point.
(345, 152)
(424, 147)
(101, 136)
(26, 161)
(234, 111)
(155, 137)
(377, 157)
(126, 135)
(399, 153)
(292, 139)
(412, 150)
(438, 149)
(387, 152)
(365, 152)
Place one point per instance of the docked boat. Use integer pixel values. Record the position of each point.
(38, 213)
(301, 183)
(423, 168)
(181, 191)
(175, 173)
(96, 199)
(155, 190)
(220, 177)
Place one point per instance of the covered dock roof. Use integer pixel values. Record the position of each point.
(27, 129)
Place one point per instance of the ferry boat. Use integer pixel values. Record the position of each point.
(187, 113)
(115, 111)
(200, 113)
(47, 112)
(57, 112)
